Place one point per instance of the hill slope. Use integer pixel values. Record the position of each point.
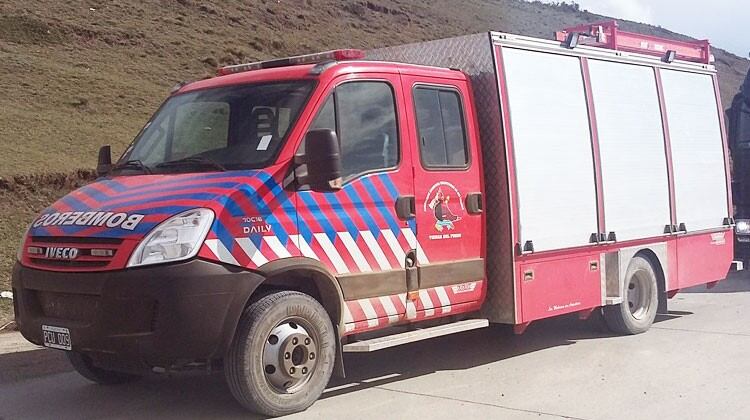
(78, 74)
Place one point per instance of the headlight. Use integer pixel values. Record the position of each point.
(742, 226)
(177, 238)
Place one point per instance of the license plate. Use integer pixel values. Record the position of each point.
(56, 337)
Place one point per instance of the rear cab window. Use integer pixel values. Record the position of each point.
(441, 127)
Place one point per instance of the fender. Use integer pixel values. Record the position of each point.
(293, 273)
(288, 272)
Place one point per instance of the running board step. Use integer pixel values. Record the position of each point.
(412, 336)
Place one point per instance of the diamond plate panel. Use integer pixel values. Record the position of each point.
(473, 54)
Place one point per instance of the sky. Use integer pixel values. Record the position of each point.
(726, 23)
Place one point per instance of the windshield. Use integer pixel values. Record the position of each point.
(235, 127)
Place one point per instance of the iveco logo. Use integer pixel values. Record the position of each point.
(61, 253)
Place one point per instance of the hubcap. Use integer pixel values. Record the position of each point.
(289, 357)
(639, 294)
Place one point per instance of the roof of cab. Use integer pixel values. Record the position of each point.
(304, 71)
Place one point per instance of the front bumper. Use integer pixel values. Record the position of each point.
(136, 319)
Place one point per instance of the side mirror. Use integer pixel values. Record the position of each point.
(323, 160)
(104, 163)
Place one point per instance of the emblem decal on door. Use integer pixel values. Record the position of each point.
(444, 202)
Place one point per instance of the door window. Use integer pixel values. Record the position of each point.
(363, 114)
(440, 121)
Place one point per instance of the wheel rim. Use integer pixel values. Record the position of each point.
(639, 294)
(290, 355)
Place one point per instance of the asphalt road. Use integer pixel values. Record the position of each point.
(693, 363)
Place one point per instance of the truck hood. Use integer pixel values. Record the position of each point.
(129, 207)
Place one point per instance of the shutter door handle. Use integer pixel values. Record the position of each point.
(405, 207)
(474, 203)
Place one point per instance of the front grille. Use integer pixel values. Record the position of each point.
(68, 306)
(83, 246)
(75, 240)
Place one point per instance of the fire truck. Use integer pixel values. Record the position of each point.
(739, 144)
(272, 218)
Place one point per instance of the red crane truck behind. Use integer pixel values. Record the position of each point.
(264, 219)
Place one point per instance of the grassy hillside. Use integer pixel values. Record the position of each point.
(79, 74)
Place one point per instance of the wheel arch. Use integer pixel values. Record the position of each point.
(304, 275)
(661, 280)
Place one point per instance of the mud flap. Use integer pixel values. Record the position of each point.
(338, 367)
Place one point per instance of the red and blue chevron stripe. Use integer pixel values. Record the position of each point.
(354, 230)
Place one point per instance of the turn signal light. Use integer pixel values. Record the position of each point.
(34, 250)
(102, 252)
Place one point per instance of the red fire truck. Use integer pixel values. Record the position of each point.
(272, 218)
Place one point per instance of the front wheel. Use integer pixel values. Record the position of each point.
(85, 367)
(640, 302)
(283, 354)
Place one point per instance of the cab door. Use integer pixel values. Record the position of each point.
(356, 231)
(448, 194)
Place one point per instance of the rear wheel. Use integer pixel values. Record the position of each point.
(640, 302)
(84, 366)
(282, 355)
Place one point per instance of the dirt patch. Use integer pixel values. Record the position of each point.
(31, 184)
(29, 30)
(6, 311)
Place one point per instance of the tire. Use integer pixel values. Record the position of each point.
(83, 365)
(282, 355)
(640, 302)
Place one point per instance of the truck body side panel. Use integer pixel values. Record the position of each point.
(635, 188)
(559, 285)
(643, 197)
(703, 257)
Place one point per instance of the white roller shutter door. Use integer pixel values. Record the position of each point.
(552, 149)
(697, 149)
(631, 145)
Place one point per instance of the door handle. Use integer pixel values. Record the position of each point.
(405, 207)
(474, 203)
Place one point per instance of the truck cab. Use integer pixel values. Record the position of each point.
(356, 184)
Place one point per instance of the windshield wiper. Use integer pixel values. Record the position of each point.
(133, 164)
(193, 160)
